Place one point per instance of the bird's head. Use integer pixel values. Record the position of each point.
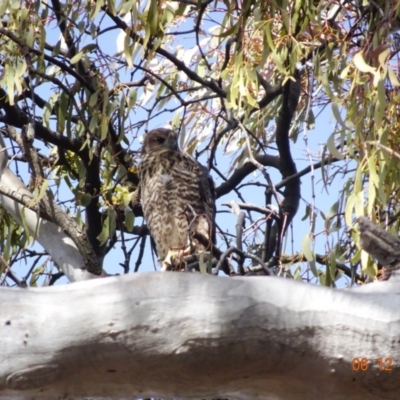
(160, 139)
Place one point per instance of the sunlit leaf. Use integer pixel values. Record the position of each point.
(383, 57)
(36, 273)
(129, 219)
(309, 254)
(393, 78)
(336, 113)
(76, 57)
(360, 64)
(332, 147)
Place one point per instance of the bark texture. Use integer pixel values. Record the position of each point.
(170, 335)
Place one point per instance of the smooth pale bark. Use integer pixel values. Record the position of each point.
(177, 335)
(59, 245)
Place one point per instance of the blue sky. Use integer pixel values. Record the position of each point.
(314, 139)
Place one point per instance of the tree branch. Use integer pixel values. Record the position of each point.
(59, 245)
(52, 210)
(245, 170)
(245, 330)
(381, 245)
(180, 65)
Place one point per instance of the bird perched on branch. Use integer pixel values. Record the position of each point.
(178, 200)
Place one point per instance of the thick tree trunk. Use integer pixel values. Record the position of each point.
(177, 335)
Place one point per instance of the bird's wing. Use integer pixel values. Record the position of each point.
(207, 196)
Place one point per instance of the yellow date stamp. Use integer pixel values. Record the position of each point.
(362, 364)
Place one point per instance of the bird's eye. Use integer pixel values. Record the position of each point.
(159, 140)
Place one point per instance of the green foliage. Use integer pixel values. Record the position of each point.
(96, 75)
